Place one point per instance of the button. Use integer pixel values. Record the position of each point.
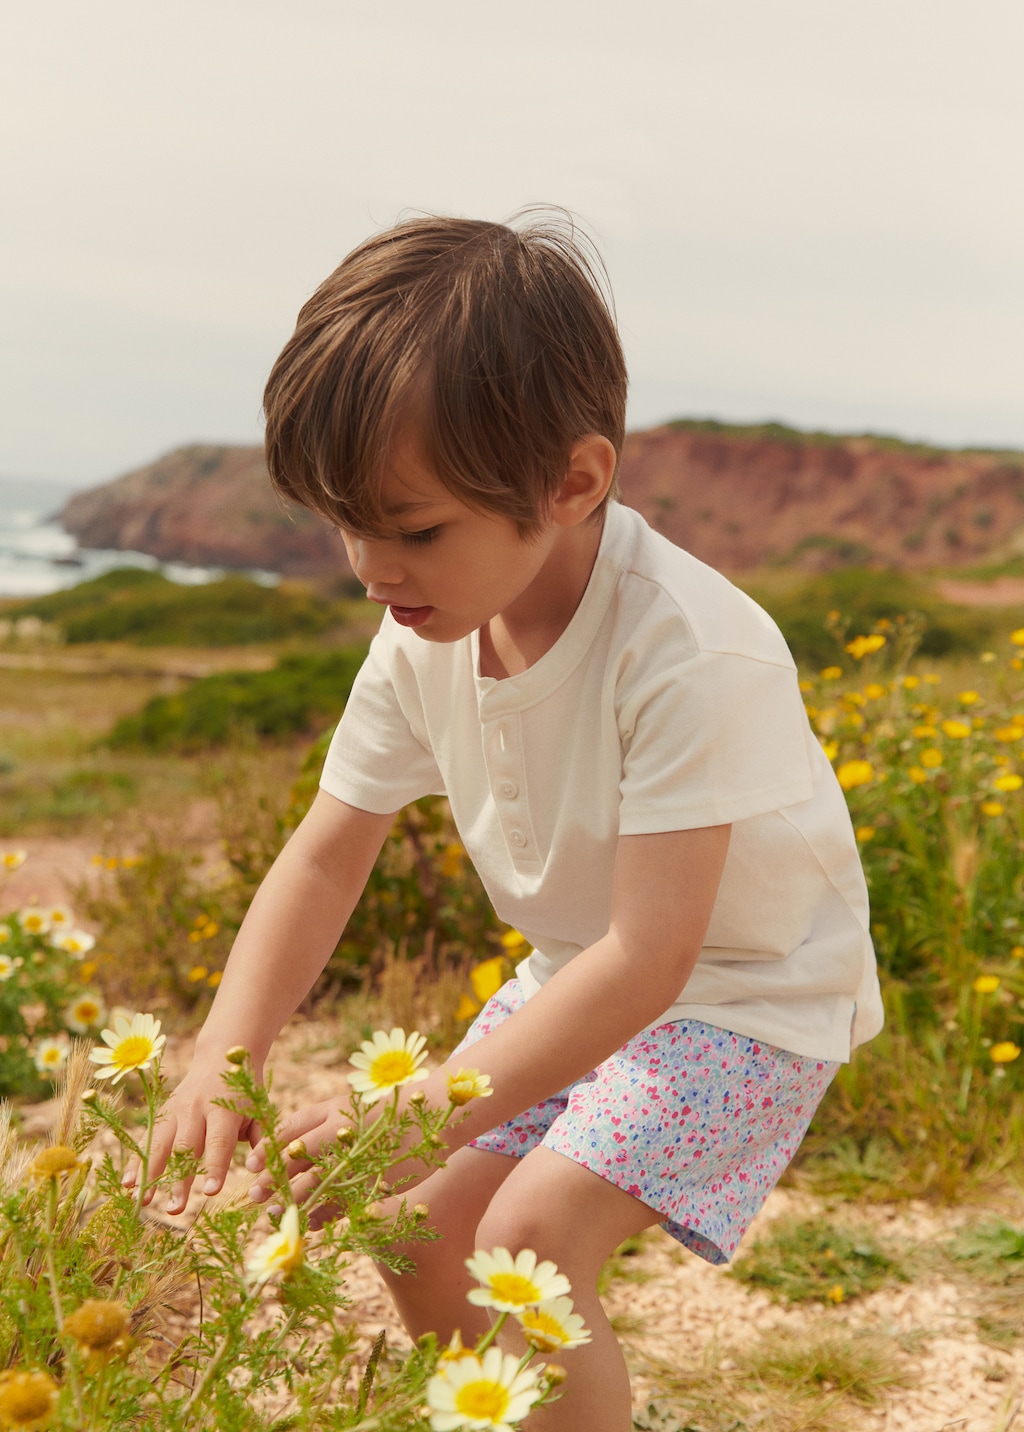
(517, 838)
(509, 790)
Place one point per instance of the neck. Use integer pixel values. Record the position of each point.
(518, 637)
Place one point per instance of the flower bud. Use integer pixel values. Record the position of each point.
(555, 1374)
(418, 1099)
(237, 1054)
(420, 1211)
(374, 1210)
(297, 1149)
(345, 1136)
(91, 1096)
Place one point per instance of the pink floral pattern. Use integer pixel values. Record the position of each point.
(694, 1121)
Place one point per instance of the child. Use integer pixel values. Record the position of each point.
(622, 740)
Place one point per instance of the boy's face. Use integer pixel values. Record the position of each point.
(449, 569)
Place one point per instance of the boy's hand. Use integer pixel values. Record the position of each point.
(191, 1121)
(316, 1126)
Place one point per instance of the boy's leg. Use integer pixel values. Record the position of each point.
(572, 1216)
(433, 1299)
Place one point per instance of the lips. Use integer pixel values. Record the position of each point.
(410, 616)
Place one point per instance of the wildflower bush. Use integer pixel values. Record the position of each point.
(933, 779)
(94, 1291)
(47, 993)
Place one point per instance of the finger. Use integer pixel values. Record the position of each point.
(295, 1163)
(222, 1134)
(164, 1131)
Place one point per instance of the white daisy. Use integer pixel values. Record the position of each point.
(512, 1284)
(281, 1252)
(76, 942)
(8, 967)
(85, 1012)
(34, 921)
(130, 1044)
(50, 1055)
(553, 1326)
(386, 1062)
(488, 1393)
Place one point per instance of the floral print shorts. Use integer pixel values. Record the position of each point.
(694, 1121)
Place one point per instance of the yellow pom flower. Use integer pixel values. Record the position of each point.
(911, 683)
(864, 833)
(855, 773)
(831, 673)
(386, 1062)
(489, 976)
(956, 730)
(986, 984)
(992, 808)
(52, 1162)
(873, 691)
(281, 1252)
(1017, 637)
(131, 1045)
(831, 749)
(931, 758)
(466, 1008)
(481, 1393)
(836, 1294)
(100, 1328)
(197, 973)
(1009, 782)
(27, 1399)
(467, 1084)
(862, 646)
(1005, 1052)
(1017, 953)
(510, 1285)
(513, 940)
(968, 698)
(923, 732)
(917, 774)
(1013, 732)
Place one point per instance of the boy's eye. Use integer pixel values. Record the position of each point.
(420, 539)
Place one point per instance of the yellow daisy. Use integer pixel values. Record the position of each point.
(131, 1044)
(386, 1062)
(467, 1084)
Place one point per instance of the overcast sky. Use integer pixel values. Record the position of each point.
(810, 210)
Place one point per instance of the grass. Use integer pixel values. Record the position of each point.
(801, 1261)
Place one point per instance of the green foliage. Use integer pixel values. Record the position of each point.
(44, 998)
(813, 1261)
(215, 710)
(135, 605)
(95, 1294)
(859, 599)
(71, 797)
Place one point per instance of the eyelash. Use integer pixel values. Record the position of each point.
(420, 539)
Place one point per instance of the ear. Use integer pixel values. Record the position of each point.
(587, 480)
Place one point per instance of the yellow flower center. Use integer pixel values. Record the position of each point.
(25, 1397)
(483, 1399)
(514, 1288)
(53, 1161)
(87, 1011)
(392, 1067)
(132, 1052)
(98, 1323)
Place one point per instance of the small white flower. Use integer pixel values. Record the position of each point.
(60, 917)
(8, 967)
(553, 1326)
(34, 921)
(281, 1252)
(386, 1062)
(130, 1044)
(85, 1012)
(11, 859)
(50, 1055)
(76, 942)
(487, 1394)
(512, 1284)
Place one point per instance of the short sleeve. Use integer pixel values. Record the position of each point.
(379, 759)
(710, 740)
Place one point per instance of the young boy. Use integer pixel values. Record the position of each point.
(621, 737)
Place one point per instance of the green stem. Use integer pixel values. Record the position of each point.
(150, 1120)
(52, 1279)
(491, 1334)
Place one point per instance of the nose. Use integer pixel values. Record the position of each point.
(374, 562)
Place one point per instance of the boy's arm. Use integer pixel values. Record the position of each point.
(285, 940)
(663, 892)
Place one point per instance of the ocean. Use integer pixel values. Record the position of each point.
(37, 556)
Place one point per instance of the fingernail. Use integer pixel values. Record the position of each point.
(275, 1210)
(252, 1163)
(211, 1185)
(258, 1194)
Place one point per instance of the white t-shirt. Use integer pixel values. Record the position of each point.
(670, 702)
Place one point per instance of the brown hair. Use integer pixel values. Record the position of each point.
(498, 341)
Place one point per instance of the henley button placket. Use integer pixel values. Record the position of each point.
(503, 753)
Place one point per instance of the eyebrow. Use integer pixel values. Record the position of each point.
(398, 509)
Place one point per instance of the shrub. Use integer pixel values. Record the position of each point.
(144, 607)
(215, 710)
